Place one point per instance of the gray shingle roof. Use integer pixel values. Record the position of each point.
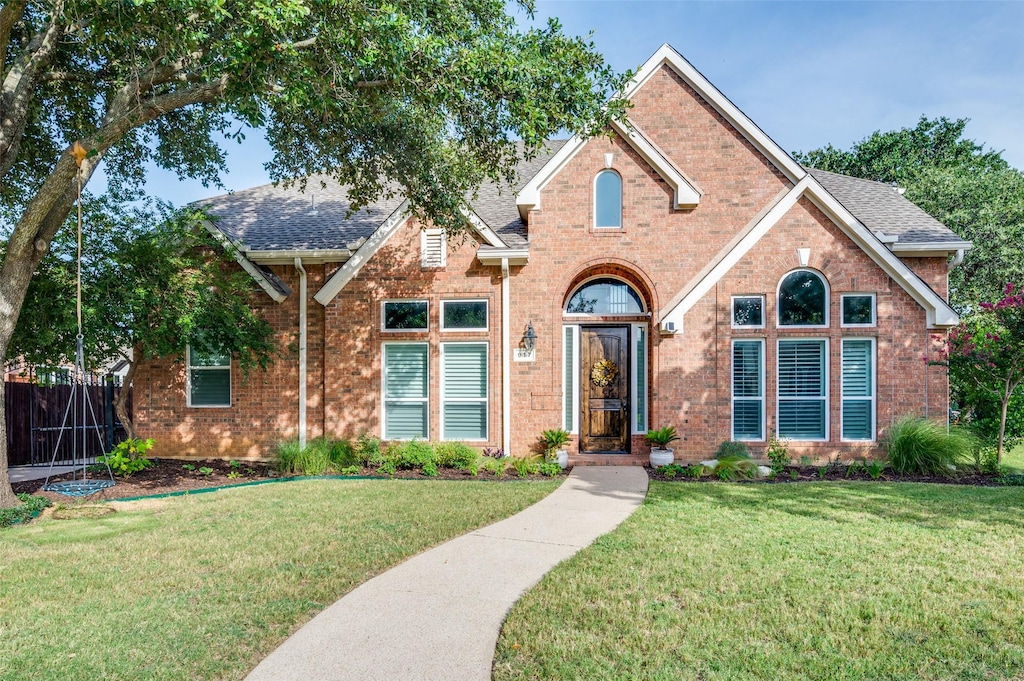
(276, 218)
(882, 209)
(269, 218)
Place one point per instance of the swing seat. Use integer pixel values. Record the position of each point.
(78, 488)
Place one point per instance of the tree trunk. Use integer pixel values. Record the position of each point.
(121, 403)
(7, 498)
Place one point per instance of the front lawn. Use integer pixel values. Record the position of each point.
(810, 581)
(205, 586)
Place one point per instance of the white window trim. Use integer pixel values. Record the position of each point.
(732, 312)
(828, 301)
(622, 187)
(188, 382)
(874, 388)
(874, 310)
(383, 391)
(732, 388)
(485, 400)
(826, 383)
(384, 315)
(575, 407)
(487, 314)
(637, 427)
(426, 234)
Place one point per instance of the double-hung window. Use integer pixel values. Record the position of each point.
(464, 391)
(803, 389)
(405, 391)
(858, 389)
(209, 378)
(748, 390)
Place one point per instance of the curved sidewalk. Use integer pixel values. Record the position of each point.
(438, 614)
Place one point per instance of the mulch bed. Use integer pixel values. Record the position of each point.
(169, 475)
(814, 474)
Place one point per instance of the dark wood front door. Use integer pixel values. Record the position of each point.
(604, 393)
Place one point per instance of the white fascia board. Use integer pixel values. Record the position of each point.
(667, 55)
(489, 235)
(929, 249)
(938, 311)
(513, 256)
(781, 207)
(352, 266)
(686, 194)
(309, 257)
(528, 197)
(245, 263)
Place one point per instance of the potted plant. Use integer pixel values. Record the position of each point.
(661, 455)
(554, 442)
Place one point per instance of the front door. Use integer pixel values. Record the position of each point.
(604, 393)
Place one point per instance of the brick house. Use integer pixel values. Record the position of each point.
(685, 272)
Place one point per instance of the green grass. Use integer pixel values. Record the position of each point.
(205, 586)
(813, 581)
(1014, 458)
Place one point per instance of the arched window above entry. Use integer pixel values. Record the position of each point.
(608, 199)
(605, 297)
(803, 299)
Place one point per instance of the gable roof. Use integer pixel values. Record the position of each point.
(886, 212)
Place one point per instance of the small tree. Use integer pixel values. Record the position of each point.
(153, 280)
(987, 351)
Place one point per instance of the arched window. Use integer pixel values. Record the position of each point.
(605, 296)
(608, 199)
(803, 299)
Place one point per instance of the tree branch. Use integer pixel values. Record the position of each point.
(9, 15)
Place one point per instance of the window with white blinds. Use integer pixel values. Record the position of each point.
(748, 390)
(803, 389)
(640, 378)
(858, 389)
(433, 248)
(405, 391)
(209, 378)
(569, 351)
(464, 391)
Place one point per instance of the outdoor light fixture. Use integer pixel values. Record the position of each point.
(530, 338)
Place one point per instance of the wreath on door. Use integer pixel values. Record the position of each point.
(604, 373)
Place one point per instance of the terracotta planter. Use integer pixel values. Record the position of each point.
(661, 457)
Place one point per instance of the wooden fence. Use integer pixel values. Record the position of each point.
(38, 430)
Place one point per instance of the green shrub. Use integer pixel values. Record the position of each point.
(417, 455)
(128, 457)
(549, 469)
(350, 470)
(917, 445)
(733, 467)
(341, 454)
(457, 455)
(777, 454)
(671, 470)
(875, 469)
(525, 467)
(320, 455)
(694, 471)
(729, 449)
(30, 505)
(495, 467)
(986, 459)
(367, 449)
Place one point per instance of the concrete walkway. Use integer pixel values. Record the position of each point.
(438, 614)
(26, 473)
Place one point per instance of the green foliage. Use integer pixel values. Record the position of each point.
(234, 464)
(367, 449)
(549, 469)
(457, 455)
(806, 460)
(694, 471)
(206, 470)
(917, 445)
(671, 470)
(777, 454)
(320, 456)
(730, 448)
(875, 469)
(188, 467)
(29, 507)
(553, 440)
(662, 437)
(525, 467)
(128, 457)
(495, 467)
(854, 468)
(986, 459)
(794, 475)
(734, 467)
(350, 470)
(234, 475)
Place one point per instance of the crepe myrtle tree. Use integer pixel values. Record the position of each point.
(422, 97)
(154, 280)
(986, 350)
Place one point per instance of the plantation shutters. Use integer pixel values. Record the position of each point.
(209, 378)
(748, 390)
(464, 391)
(858, 389)
(569, 377)
(405, 391)
(640, 378)
(803, 389)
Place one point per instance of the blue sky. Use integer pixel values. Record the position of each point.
(808, 73)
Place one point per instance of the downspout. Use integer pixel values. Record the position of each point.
(957, 259)
(506, 364)
(302, 351)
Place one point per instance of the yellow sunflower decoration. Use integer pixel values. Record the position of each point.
(604, 373)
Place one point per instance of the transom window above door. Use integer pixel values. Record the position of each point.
(605, 296)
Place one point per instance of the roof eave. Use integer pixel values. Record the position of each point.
(495, 256)
(929, 249)
(309, 256)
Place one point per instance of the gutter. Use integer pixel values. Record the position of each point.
(506, 364)
(957, 259)
(302, 351)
